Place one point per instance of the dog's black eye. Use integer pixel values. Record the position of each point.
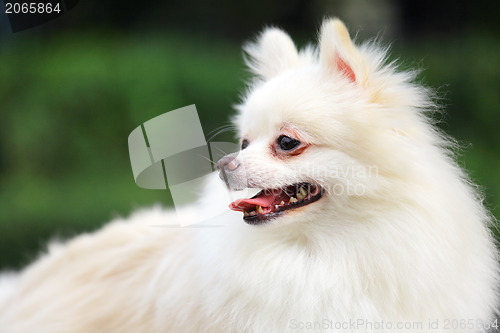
(287, 143)
(244, 144)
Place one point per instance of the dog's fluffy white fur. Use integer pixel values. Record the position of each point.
(399, 236)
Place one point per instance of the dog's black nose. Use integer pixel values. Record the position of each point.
(226, 165)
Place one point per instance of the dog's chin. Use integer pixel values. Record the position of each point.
(275, 203)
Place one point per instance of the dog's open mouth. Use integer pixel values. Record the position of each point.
(269, 203)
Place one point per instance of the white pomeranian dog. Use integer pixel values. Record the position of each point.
(364, 220)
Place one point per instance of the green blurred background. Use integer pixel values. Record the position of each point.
(73, 89)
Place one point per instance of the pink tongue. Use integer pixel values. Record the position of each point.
(263, 200)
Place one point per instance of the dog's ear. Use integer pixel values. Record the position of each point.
(271, 54)
(338, 53)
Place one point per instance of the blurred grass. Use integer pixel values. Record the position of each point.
(68, 104)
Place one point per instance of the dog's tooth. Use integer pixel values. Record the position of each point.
(282, 203)
(302, 193)
(292, 200)
(305, 189)
(245, 213)
(252, 213)
(259, 210)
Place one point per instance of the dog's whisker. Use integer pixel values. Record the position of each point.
(220, 130)
(221, 151)
(208, 159)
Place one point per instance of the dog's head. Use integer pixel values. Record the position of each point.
(316, 126)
